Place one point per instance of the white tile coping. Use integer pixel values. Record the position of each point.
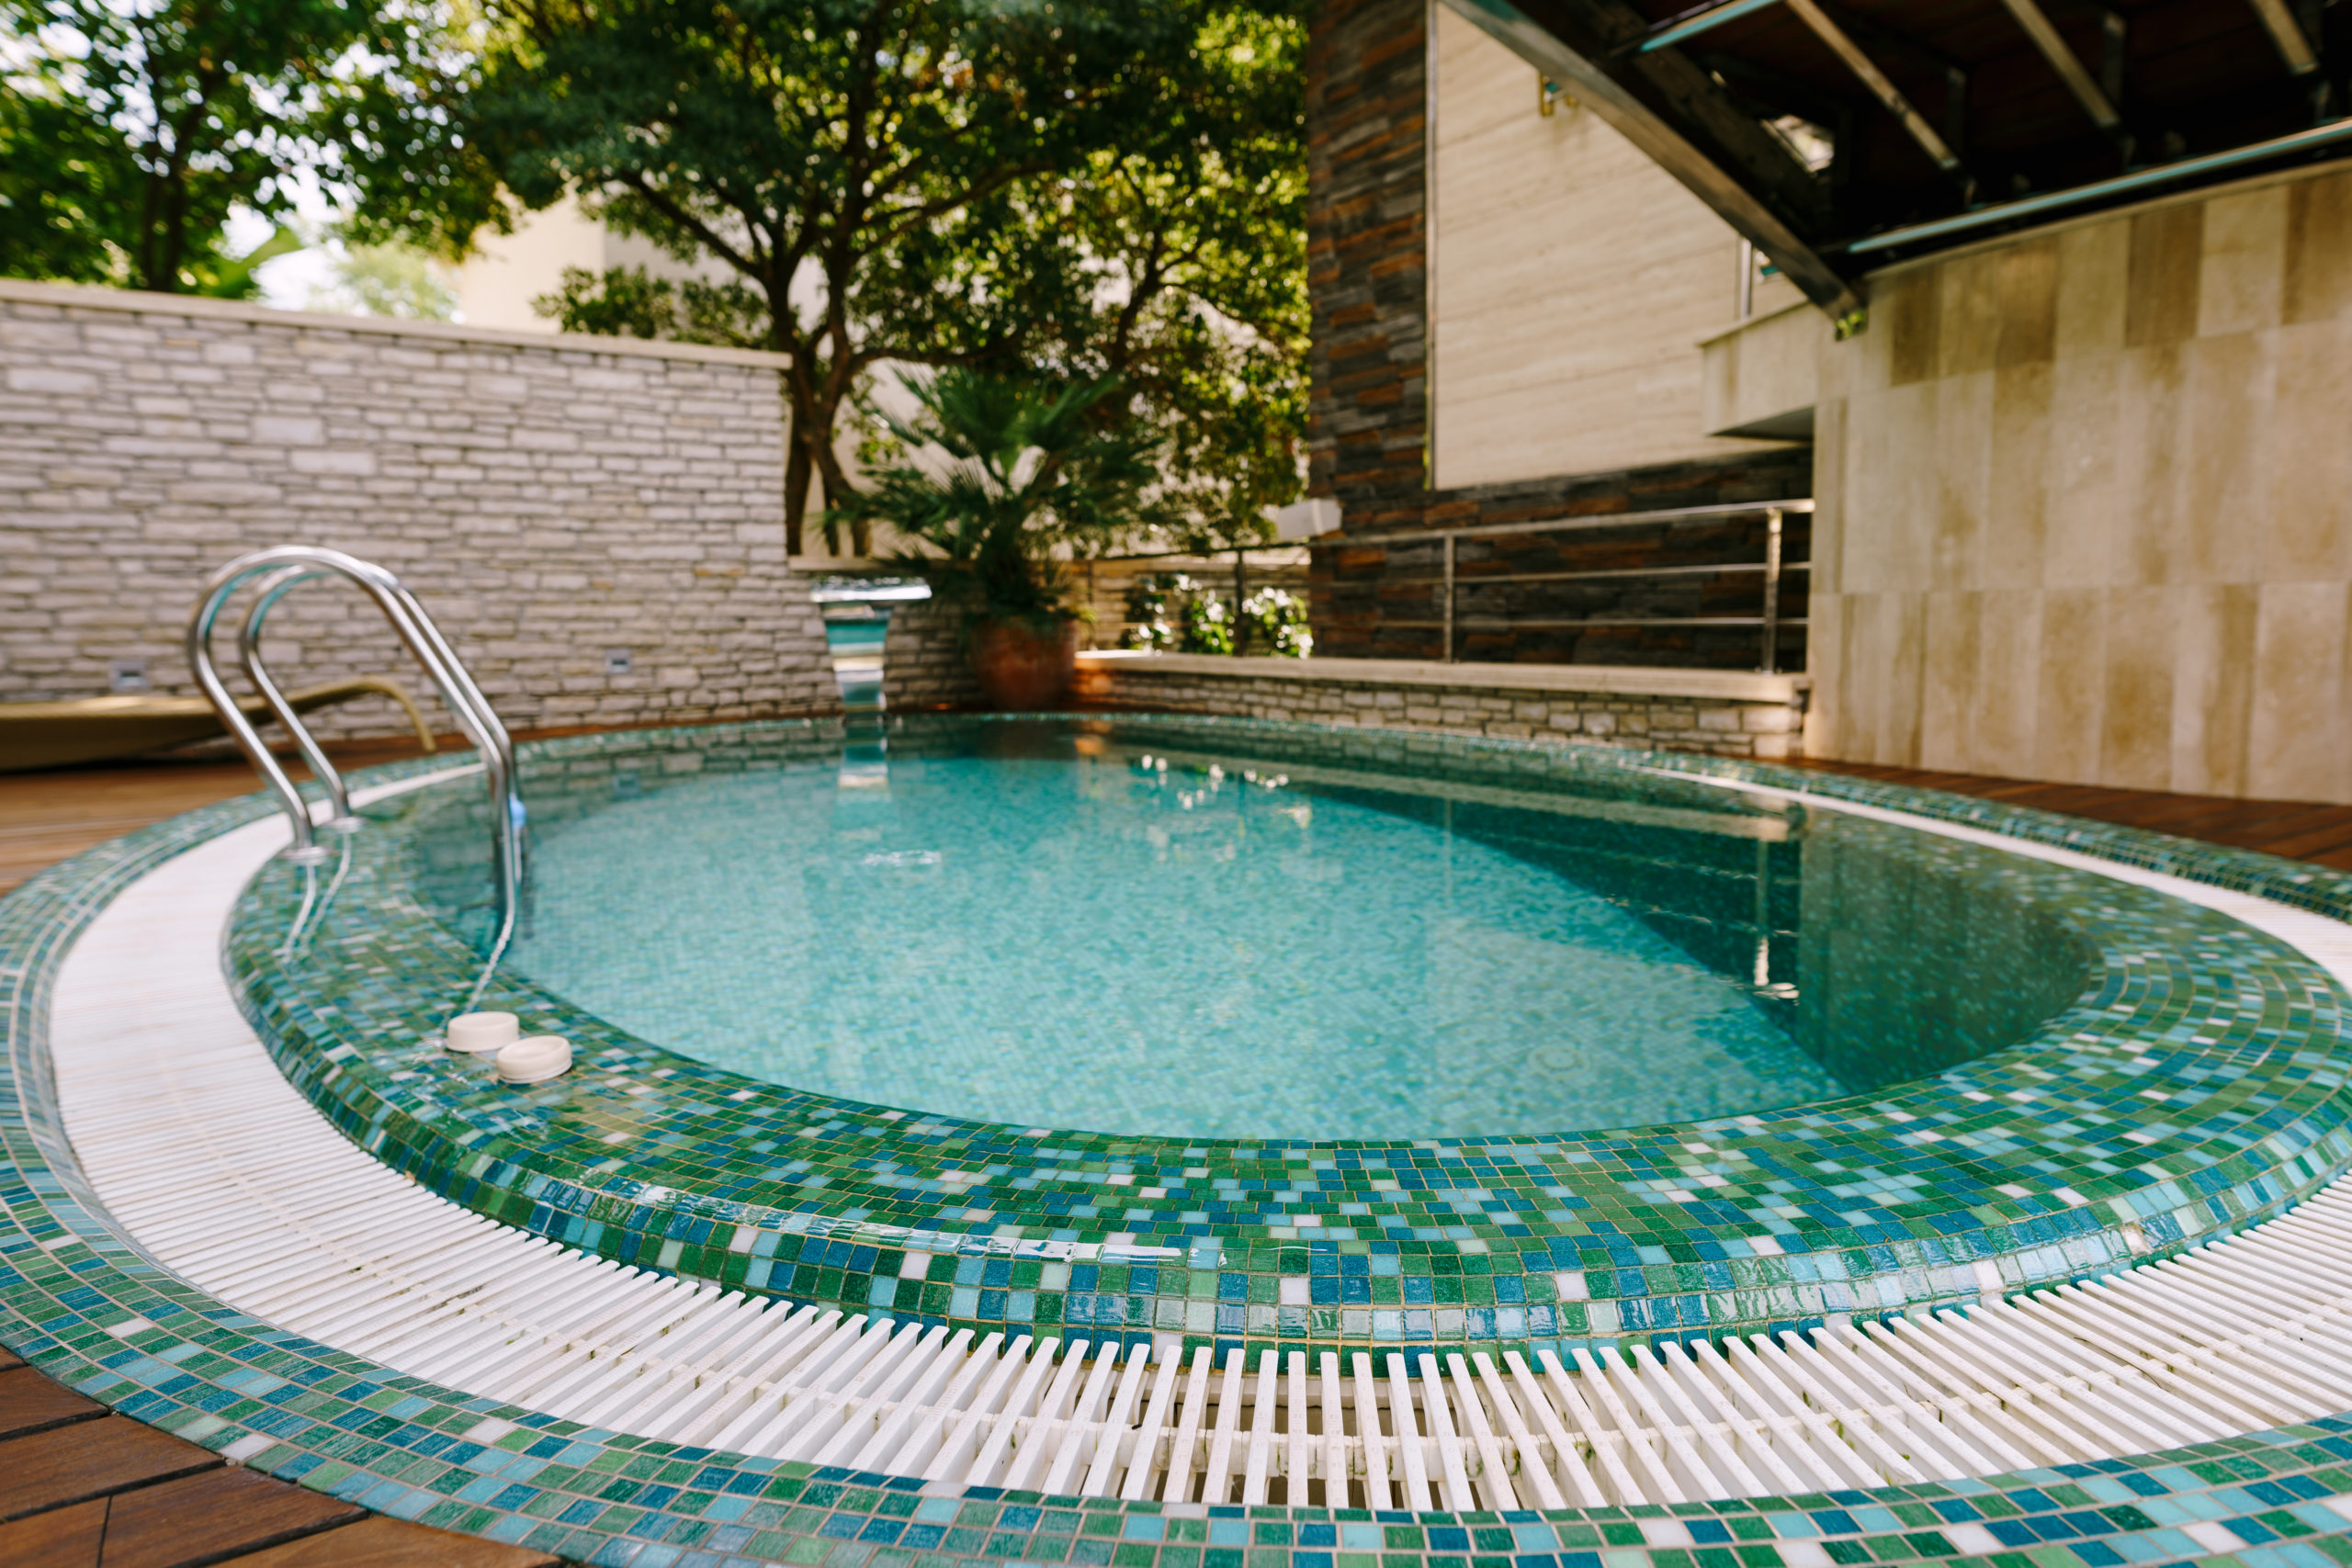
(1626, 680)
(195, 307)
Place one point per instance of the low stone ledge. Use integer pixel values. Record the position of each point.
(1726, 713)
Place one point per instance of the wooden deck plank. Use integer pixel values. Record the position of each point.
(30, 1402)
(90, 1459)
(49, 817)
(380, 1542)
(204, 1517)
(61, 1538)
(2298, 829)
(2329, 838)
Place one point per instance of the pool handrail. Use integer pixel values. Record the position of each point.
(274, 588)
(282, 567)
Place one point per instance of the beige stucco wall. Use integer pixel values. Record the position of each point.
(500, 282)
(2086, 502)
(1571, 280)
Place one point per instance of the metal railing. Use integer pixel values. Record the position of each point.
(1451, 583)
(280, 569)
(1292, 573)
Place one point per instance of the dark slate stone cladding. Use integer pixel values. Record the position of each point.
(1371, 599)
(1367, 257)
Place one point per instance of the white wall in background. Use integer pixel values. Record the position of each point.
(1571, 280)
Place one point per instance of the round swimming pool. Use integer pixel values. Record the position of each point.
(1259, 1032)
(1121, 928)
(2192, 1084)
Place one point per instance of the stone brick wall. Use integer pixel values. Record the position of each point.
(548, 498)
(1755, 717)
(923, 662)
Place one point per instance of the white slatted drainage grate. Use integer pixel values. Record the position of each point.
(228, 1177)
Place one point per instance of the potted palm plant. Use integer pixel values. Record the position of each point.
(1018, 474)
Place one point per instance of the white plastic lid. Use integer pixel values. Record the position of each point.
(535, 1060)
(475, 1033)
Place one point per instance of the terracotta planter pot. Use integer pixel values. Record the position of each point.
(1020, 670)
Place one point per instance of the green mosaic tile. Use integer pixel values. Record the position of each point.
(334, 1422)
(2043, 1161)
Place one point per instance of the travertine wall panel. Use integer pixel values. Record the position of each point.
(2085, 504)
(548, 498)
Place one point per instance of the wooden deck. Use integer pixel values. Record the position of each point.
(2295, 829)
(82, 1488)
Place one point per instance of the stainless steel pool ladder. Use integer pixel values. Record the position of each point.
(280, 569)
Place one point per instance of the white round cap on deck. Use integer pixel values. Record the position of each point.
(535, 1060)
(475, 1033)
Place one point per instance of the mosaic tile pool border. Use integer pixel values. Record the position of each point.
(77, 1300)
(2041, 1163)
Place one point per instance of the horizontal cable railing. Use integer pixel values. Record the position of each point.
(1457, 583)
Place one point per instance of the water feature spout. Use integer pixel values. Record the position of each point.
(857, 625)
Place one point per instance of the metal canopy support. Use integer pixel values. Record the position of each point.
(1881, 87)
(2071, 70)
(2294, 48)
(2113, 33)
(1720, 155)
(2328, 135)
(1692, 23)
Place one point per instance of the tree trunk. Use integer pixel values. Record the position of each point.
(797, 470)
(861, 532)
(834, 483)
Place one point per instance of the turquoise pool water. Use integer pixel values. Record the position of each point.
(1049, 926)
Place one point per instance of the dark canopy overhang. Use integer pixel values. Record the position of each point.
(1840, 134)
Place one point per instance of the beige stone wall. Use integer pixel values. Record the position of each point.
(2086, 502)
(548, 498)
(1724, 727)
(1571, 280)
(923, 661)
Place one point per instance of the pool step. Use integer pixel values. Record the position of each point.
(226, 1176)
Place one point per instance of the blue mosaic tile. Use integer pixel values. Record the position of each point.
(343, 1425)
(2044, 1160)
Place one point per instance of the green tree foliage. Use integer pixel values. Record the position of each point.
(1198, 222)
(129, 133)
(390, 279)
(1169, 612)
(629, 301)
(1019, 474)
(936, 183)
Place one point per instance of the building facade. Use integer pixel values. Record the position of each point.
(2081, 507)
